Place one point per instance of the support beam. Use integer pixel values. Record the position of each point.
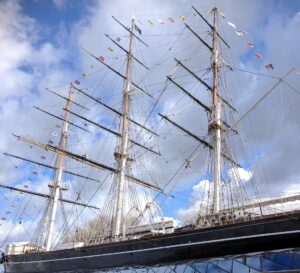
(205, 84)
(57, 117)
(201, 40)
(112, 132)
(212, 27)
(113, 110)
(93, 122)
(202, 141)
(51, 167)
(265, 203)
(118, 73)
(130, 31)
(87, 161)
(47, 196)
(190, 95)
(126, 51)
(73, 102)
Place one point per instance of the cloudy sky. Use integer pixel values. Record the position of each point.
(40, 47)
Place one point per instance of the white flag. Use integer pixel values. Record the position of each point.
(232, 25)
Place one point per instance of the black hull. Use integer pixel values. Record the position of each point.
(279, 232)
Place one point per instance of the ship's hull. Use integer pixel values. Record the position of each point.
(279, 232)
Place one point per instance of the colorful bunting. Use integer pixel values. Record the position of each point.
(171, 20)
(248, 44)
(258, 56)
(232, 25)
(110, 49)
(138, 29)
(182, 18)
(241, 33)
(77, 82)
(269, 66)
(101, 59)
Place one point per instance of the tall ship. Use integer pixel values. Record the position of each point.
(125, 224)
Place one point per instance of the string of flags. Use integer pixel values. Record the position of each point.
(183, 18)
(248, 44)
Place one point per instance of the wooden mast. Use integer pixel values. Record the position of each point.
(56, 187)
(121, 155)
(215, 125)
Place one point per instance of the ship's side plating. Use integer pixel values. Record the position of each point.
(260, 235)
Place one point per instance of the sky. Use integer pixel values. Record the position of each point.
(40, 47)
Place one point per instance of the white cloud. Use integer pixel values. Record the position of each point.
(60, 4)
(237, 174)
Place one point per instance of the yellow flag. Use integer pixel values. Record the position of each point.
(84, 74)
(182, 18)
(150, 22)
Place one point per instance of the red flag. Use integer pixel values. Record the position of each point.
(248, 44)
(258, 56)
(269, 66)
(101, 59)
(77, 82)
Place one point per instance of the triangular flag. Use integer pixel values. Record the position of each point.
(100, 58)
(222, 14)
(150, 22)
(160, 21)
(258, 56)
(110, 49)
(248, 44)
(269, 66)
(231, 24)
(138, 29)
(182, 18)
(171, 20)
(77, 82)
(241, 33)
(84, 74)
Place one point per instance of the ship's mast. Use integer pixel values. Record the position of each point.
(122, 155)
(56, 187)
(215, 126)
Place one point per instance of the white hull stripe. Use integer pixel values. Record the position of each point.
(161, 247)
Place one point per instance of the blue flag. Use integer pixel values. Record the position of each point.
(138, 29)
